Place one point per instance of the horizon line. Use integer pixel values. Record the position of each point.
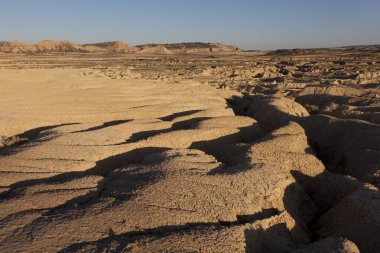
(186, 42)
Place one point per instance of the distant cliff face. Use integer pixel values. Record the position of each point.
(41, 47)
(111, 46)
(48, 46)
(195, 47)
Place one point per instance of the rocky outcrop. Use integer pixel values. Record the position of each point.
(174, 165)
(349, 147)
(88, 163)
(356, 217)
(270, 111)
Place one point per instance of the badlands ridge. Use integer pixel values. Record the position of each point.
(48, 46)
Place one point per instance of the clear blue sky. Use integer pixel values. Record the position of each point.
(250, 24)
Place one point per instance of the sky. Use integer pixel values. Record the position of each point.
(249, 24)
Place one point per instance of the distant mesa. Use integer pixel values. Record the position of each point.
(48, 46)
(110, 46)
(306, 51)
(196, 47)
(371, 48)
(44, 46)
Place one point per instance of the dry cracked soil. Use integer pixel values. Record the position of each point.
(229, 152)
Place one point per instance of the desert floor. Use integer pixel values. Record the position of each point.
(242, 152)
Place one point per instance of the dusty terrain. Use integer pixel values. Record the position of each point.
(185, 148)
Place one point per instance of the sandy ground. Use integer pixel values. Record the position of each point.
(34, 98)
(117, 159)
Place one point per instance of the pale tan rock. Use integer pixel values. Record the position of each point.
(354, 149)
(274, 112)
(356, 217)
(103, 149)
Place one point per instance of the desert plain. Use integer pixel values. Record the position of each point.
(189, 147)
